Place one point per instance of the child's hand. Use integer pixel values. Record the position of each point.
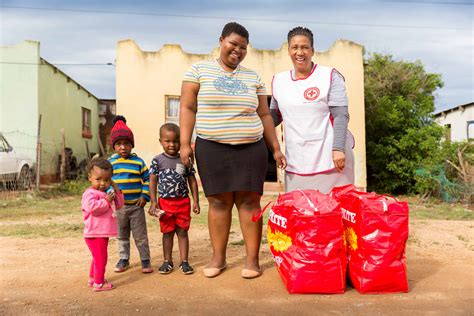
(196, 208)
(141, 201)
(159, 213)
(110, 196)
(152, 209)
(114, 185)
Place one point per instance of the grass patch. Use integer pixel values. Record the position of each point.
(40, 208)
(57, 213)
(238, 243)
(462, 238)
(49, 230)
(444, 212)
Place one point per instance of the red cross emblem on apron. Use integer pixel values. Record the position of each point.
(311, 94)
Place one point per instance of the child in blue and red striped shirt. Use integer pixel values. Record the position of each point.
(131, 175)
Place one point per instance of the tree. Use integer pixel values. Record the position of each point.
(400, 129)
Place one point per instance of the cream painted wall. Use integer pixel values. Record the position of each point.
(143, 79)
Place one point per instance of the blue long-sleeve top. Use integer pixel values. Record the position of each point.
(132, 177)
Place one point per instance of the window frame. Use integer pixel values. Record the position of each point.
(86, 117)
(171, 119)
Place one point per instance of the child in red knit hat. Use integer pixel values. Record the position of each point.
(131, 175)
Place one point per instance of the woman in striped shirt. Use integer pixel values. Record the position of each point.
(228, 105)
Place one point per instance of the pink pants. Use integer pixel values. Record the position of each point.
(98, 248)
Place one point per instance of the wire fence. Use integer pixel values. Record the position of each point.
(26, 161)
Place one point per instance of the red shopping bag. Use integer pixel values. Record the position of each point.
(376, 231)
(305, 235)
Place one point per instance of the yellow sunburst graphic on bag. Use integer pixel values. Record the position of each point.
(278, 240)
(351, 238)
(344, 241)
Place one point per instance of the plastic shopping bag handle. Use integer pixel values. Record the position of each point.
(389, 196)
(256, 216)
(347, 188)
(308, 199)
(383, 200)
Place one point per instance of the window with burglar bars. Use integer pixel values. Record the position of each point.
(172, 112)
(172, 109)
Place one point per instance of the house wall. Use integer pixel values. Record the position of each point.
(143, 79)
(60, 103)
(458, 118)
(19, 95)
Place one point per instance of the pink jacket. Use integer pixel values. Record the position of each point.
(98, 219)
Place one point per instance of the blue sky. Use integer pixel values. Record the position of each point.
(439, 33)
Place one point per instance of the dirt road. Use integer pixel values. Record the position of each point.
(49, 276)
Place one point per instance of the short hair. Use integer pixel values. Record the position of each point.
(300, 30)
(234, 27)
(171, 127)
(99, 162)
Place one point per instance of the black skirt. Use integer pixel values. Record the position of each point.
(231, 168)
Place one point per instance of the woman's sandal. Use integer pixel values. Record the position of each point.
(250, 274)
(213, 272)
(106, 286)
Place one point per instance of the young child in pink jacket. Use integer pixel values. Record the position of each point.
(99, 203)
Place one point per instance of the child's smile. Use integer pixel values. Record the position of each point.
(170, 142)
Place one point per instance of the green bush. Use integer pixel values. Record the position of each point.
(400, 129)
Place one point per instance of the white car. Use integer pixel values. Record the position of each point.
(15, 168)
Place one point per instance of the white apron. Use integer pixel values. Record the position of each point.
(308, 131)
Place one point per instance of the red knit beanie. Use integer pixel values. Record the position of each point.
(120, 130)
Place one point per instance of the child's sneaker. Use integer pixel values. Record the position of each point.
(166, 267)
(146, 266)
(122, 265)
(106, 286)
(186, 268)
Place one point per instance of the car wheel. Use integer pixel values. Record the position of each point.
(24, 180)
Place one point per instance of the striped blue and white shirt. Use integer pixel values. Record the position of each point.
(132, 177)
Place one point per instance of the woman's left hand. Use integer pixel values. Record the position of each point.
(339, 159)
(280, 159)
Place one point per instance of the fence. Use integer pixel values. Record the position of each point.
(27, 159)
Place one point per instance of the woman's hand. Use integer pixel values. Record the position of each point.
(280, 159)
(187, 156)
(339, 159)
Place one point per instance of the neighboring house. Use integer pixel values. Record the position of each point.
(149, 84)
(32, 88)
(459, 121)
